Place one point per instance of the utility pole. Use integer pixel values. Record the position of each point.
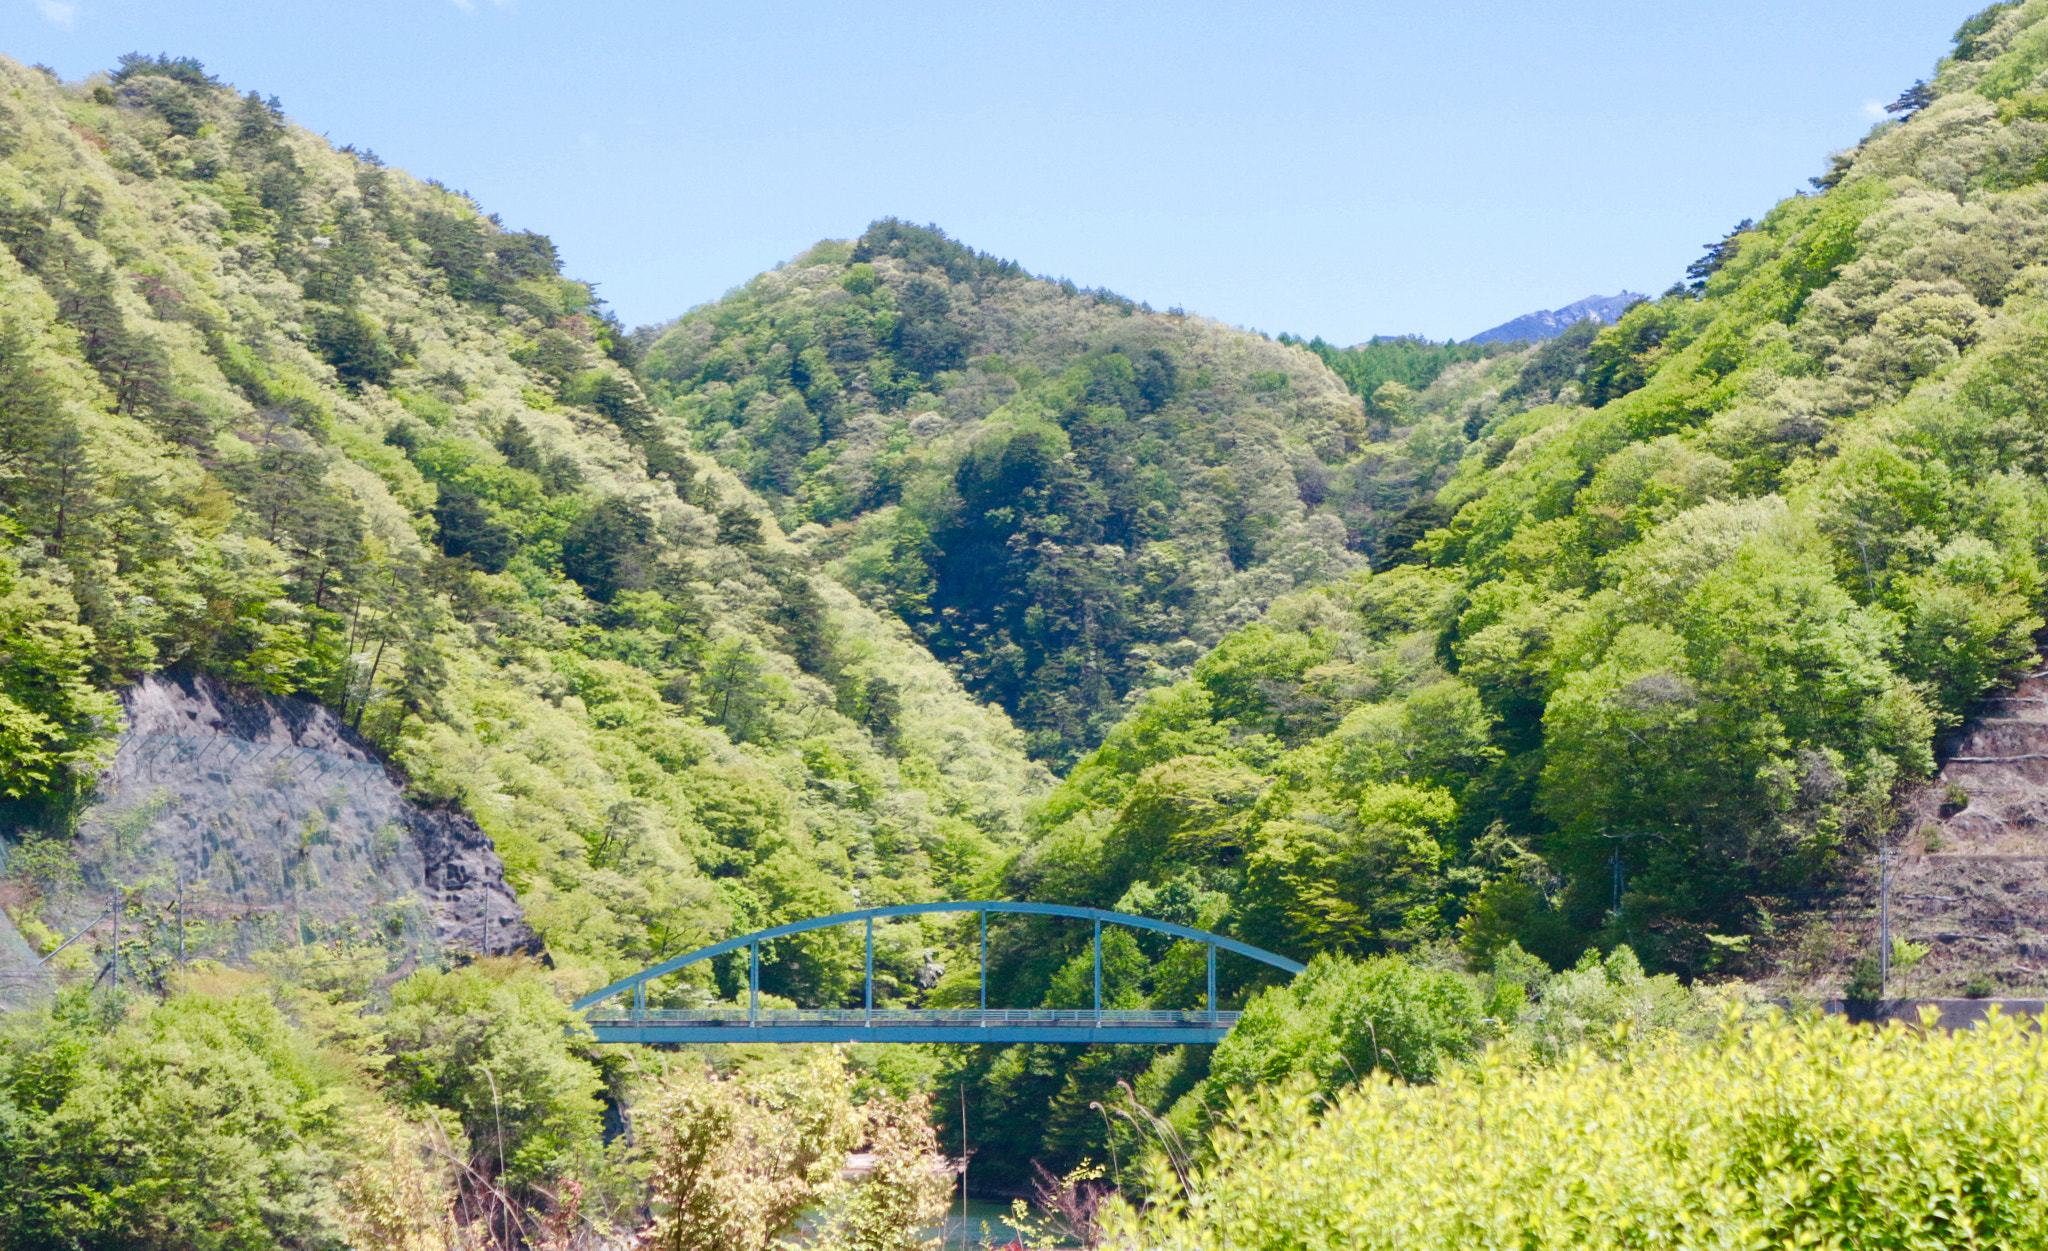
(1618, 840)
(1885, 860)
(963, 1162)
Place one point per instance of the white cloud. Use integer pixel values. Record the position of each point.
(58, 12)
(1874, 110)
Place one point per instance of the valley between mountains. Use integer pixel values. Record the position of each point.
(397, 646)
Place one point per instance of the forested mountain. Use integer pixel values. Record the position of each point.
(1410, 361)
(276, 413)
(1704, 594)
(1065, 495)
(1392, 650)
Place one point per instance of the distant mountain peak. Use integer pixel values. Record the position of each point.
(1551, 322)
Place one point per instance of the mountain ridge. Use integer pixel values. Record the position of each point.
(1549, 323)
(273, 412)
(1064, 494)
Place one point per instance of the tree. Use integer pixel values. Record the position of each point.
(356, 346)
(518, 448)
(468, 530)
(739, 691)
(199, 1122)
(55, 722)
(1911, 100)
(47, 477)
(734, 1164)
(1343, 1019)
(618, 401)
(493, 1044)
(1717, 255)
(1355, 884)
(609, 548)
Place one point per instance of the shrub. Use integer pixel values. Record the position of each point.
(1782, 1133)
(1343, 1019)
(735, 1165)
(204, 1121)
(493, 1044)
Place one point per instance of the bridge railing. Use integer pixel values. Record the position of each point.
(910, 1016)
(594, 1005)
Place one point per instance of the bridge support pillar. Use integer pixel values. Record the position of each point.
(871, 973)
(1212, 983)
(984, 965)
(753, 983)
(1098, 970)
(640, 1002)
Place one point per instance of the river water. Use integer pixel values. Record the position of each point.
(987, 1224)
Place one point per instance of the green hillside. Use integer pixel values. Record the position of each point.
(901, 574)
(1065, 495)
(1778, 533)
(1409, 361)
(1704, 592)
(280, 414)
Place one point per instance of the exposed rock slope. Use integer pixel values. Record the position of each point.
(276, 826)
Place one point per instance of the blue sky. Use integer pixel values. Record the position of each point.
(1324, 168)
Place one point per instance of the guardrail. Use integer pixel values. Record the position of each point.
(767, 1018)
(974, 1026)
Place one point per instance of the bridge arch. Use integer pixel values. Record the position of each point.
(982, 1026)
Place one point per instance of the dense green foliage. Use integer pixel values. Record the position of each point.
(241, 1112)
(1410, 362)
(1701, 593)
(1065, 495)
(1712, 577)
(278, 413)
(1781, 1135)
(1380, 657)
(204, 1122)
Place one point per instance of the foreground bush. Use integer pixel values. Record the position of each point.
(737, 1165)
(204, 1122)
(1781, 1134)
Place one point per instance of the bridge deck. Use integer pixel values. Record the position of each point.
(946, 1025)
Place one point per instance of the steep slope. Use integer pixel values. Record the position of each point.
(1969, 876)
(1720, 588)
(1706, 597)
(241, 825)
(278, 414)
(1064, 494)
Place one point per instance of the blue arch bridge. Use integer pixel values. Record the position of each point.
(636, 1022)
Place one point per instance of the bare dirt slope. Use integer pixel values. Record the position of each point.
(1970, 881)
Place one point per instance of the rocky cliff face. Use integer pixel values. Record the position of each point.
(243, 824)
